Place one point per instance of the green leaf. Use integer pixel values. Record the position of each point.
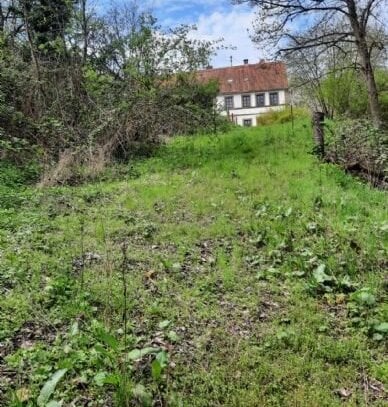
(378, 337)
(298, 273)
(164, 324)
(366, 298)
(49, 387)
(172, 335)
(100, 349)
(176, 267)
(156, 369)
(108, 339)
(99, 378)
(136, 354)
(112, 379)
(323, 328)
(74, 329)
(54, 403)
(382, 328)
(320, 276)
(384, 227)
(282, 335)
(162, 357)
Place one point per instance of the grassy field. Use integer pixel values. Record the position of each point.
(232, 270)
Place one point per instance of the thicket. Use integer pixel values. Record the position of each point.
(352, 140)
(286, 115)
(79, 89)
(358, 147)
(331, 81)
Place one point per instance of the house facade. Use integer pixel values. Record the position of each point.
(249, 90)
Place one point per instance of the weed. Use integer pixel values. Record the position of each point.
(250, 275)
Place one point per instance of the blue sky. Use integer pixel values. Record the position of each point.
(220, 19)
(214, 19)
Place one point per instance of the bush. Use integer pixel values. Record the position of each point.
(345, 93)
(12, 175)
(358, 146)
(281, 116)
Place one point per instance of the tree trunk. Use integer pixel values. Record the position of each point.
(2, 19)
(359, 30)
(373, 97)
(85, 31)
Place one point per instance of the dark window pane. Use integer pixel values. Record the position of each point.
(229, 102)
(274, 99)
(247, 122)
(260, 99)
(246, 101)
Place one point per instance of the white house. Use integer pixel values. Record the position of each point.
(249, 90)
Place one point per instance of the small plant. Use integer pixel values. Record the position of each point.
(121, 378)
(321, 282)
(365, 314)
(48, 390)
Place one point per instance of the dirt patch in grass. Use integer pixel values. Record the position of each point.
(373, 389)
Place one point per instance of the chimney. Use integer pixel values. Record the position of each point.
(246, 61)
(209, 67)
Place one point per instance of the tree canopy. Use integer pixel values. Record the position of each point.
(294, 25)
(76, 80)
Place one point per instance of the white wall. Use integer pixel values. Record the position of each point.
(239, 113)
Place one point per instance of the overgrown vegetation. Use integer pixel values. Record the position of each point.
(358, 146)
(286, 115)
(79, 89)
(332, 84)
(230, 270)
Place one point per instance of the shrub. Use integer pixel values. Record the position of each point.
(12, 175)
(281, 116)
(358, 146)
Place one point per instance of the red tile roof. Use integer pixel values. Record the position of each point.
(258, 77)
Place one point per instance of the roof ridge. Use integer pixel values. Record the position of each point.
(243, 65)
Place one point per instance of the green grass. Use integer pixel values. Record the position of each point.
(257, 271)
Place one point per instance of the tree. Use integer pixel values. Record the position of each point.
(103, 84)
(279, 22)
(329, 80)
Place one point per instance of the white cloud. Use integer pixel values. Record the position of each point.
(183, 3)
(233, 27)
(214, 19)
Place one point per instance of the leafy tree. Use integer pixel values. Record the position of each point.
(280, 22)
(46, 21)
(97, 84)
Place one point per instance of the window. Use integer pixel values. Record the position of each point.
(247, 122)
(274, 98)
(260, 99)
(246, 100)
(229, 102)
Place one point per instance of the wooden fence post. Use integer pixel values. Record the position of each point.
(318, 133)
